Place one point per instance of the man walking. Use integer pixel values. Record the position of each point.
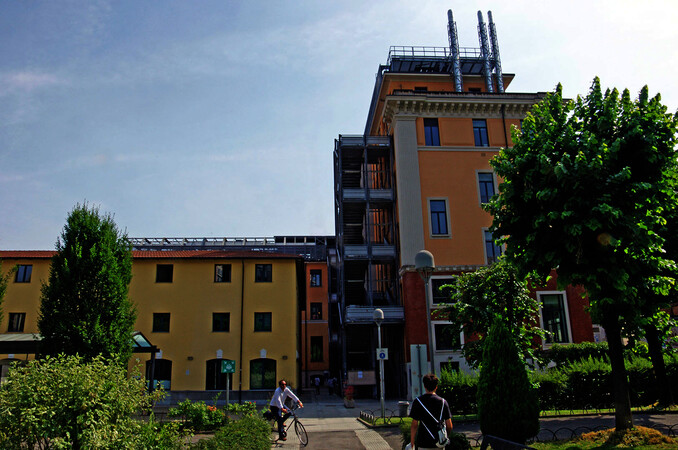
(278, 406)
(428, 410)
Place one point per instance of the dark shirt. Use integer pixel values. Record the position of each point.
(427, 433)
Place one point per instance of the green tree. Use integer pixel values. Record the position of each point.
(507, 404)
(84, 307)
(587, 188)
(493, 291)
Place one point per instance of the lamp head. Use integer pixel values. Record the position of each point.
(378, 316)
(423, 262)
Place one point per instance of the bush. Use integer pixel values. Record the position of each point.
(199, 416)
(552, 389)
(459, 389)
(250, 432)
(63, 402)
(562, 355)
(507, 404)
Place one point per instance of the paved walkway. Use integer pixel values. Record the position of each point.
(331, 425)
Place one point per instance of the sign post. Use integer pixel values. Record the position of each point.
(227, 367)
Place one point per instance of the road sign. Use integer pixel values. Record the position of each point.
(382, 353)
(227, 366)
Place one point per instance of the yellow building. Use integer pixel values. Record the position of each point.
(199, 308)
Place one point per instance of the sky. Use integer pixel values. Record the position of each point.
(218, 118)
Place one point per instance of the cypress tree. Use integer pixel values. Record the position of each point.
(508, 407)
(84, 307)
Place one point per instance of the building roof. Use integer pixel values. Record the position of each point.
(164, 254)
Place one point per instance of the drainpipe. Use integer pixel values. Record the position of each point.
(503, 121)
(242, 312)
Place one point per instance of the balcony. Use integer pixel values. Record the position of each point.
(365, 314)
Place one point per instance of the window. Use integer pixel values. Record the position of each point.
(421, 89)
(450, 366)
(438, 217)
(162, 374)
(164, 273)
(316, 348)
(262, 373)
(316, 277)
(316, 311)
(485, 186)
(23, 273)
(431, 133)
(475, 89)
(222, 273)
(441, 295)
(263, 273)
(447, 337)
(161, 322)
(262, 321)
(492, 250)
(554, 317)
(215, 380)
(480, 133)
(221, 322)
(16, 322)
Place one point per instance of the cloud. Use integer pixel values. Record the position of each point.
(27, 81)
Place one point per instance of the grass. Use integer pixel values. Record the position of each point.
(636, 438)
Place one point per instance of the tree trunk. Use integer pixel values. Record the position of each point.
(654, 346)
(622, 404)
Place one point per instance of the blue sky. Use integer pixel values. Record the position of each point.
(218, 118)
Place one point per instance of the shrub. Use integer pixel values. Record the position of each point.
(507, 404)
(60, 402)
(562, 355)
(459, 389)
(250, 432)
(199, 416)
(552, 389)
(589, 384)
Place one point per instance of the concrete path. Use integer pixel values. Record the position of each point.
(331, 425)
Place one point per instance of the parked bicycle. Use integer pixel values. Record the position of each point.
(299, 428)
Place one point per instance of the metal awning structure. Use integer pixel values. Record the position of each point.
(29, 343)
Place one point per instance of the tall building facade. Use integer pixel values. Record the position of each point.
(258, 302)
(416, 180)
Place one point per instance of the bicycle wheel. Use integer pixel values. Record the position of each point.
(301, 433)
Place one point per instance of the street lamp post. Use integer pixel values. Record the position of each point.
(378, 317)
(424, 264)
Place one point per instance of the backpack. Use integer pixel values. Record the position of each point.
(440, 434)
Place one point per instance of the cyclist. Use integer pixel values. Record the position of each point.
(278, 406)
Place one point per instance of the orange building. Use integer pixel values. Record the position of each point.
(415, 181)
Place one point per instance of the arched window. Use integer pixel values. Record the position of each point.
(163, 373)
(262, 373)
(215, 380)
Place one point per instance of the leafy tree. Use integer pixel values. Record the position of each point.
(84, 307)
(587, 188)
(493, 291)
(507, 404)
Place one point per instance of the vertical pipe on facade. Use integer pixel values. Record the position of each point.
(485, 50)
(454, 51)
(503, 121)
(242, 312)
(495, 53)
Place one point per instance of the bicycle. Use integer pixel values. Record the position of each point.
(299, 428)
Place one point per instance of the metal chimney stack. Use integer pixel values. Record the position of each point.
(454, 51)
(485, 50)
(495, 53)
